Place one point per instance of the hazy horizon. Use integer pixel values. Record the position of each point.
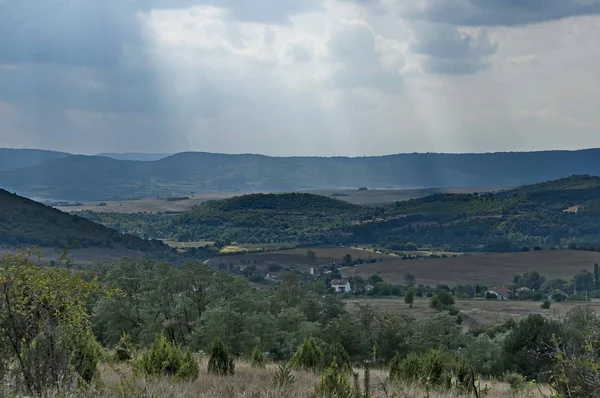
(302, 78)
(298, 156)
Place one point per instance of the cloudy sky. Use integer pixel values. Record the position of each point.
(299, 77)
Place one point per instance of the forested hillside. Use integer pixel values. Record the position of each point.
(101, 178)
(551, 214)
(23, 221)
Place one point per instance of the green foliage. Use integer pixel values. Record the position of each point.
(409, 298)
(337, 353)
(575, 370)
(546, 304)
(125, 349)
(516, 382)
(526, 217)
(23, 221)
(258, 359)
(396, 370)
(335, 383)
(44, 325)
(309, 356)
(220, 362)
(164, 358)
(526, 347)
(283, 379)
(442, 300)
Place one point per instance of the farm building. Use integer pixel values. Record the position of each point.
(500, 292)
(369, 288)
(522, 289)
(340, 285)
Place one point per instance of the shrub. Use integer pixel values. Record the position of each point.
(516, 382)
(220, 362)
(164, 358)
(546, 304)
(283, 378)
(124, 351)
(335, 383)
(258, 359)
(396, 367)
(308, 357)
(559, 296)
(442, 300)
(338, 354)
(86, 355)
(577, 297)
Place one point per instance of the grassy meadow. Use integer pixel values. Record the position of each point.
(249, 382)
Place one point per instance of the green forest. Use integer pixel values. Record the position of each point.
(525, 218)
(157, 320)
(25, 222)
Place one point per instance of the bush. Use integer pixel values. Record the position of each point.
(442, 300)
(220, 362)
(124, 351)
(258, 359)
(335, 383)
(283, 378)
(164, 358)
(336, 353)
(546, 304)
(86, 355)
(577, 297)
(308, 357)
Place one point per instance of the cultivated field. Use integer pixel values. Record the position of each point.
(480, 268)
(297, 257)
(494, 268)
(151, 204)
(477, 312)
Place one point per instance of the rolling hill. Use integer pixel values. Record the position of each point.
(101, 178)
(552, 214)
(12, 159)
(135, 156)
(25, 222)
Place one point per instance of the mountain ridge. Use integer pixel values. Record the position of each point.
(81, 177)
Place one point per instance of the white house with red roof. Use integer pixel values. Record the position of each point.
(340, 285)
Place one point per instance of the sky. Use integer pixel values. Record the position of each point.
(299, 77)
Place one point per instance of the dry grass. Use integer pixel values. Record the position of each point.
(248, 382)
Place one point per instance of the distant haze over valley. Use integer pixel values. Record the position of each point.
(63, 176)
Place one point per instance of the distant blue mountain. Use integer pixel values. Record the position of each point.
(146, 157)
(104, 178)
(12, 159)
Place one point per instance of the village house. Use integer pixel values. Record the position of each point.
(522, 289)
(500, 292)
(369, 288)
(340, 285)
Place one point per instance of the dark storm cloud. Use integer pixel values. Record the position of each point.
(450, 51)
(496, 12)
